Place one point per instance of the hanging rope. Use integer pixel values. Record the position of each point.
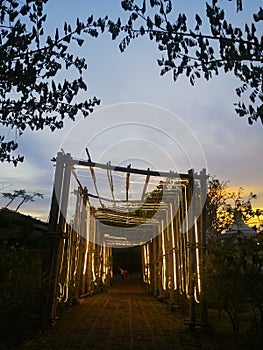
(145, 186)
(95, 184)
(109, 174)
(127, 186)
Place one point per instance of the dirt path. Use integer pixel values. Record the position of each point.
(125, 317)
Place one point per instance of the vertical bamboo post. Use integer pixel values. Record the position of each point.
(76, 246)
(81, 258)
(101, 268)
(61, 231)
(170, 248)
(151, 266)
(166, 251)
(185, 258)
(174, 259)
(143, 263)
(83, 232)
(155, 267)
(104, 262)
(192, 248)
(110, 273)
(203, 192)
(90, 259)
(178, 252)
(52, 237)
(160, 261)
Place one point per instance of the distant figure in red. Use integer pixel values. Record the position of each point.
(124, 274)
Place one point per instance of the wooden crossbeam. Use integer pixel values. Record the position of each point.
(171, 174)
(109, 174)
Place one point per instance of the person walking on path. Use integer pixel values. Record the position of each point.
(124, 274)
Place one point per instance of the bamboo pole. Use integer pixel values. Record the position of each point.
(192, 316)
(61, 231)
(76, 246)
(177, 248)
(131, 170)
(173, 264)
(160, 262)
(155, 266)
(90, 259)
(83, 232)
(203, 185)
(52, 237)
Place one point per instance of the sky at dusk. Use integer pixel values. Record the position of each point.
(143, 118)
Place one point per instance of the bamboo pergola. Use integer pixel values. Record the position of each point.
(96, 207)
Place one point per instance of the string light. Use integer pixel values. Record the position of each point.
(163, 256)
(173, 247)
(198, 287)
(87, 239)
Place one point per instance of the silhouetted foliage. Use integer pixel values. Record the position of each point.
(204, 50)
(22, 195)
(30, 61)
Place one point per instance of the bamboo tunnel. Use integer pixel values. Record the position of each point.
(79, 252)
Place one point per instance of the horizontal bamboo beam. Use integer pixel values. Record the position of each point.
(170, 174)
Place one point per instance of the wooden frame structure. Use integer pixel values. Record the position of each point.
(171, 219)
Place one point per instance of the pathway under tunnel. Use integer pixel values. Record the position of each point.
(125, 317)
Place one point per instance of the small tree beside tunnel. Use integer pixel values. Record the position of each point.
(234, 279)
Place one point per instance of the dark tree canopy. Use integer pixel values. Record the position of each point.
(197, 52)
(30, 61)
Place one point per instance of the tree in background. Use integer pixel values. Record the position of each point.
(216, 199)
(10, 196)
(204, 50)
(30, 62)
(24, 197)
(222, 205)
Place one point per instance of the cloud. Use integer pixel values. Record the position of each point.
(189, 127)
